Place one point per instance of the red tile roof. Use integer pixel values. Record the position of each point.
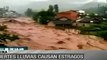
(72, 15)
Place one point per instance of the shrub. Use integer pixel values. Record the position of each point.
(99, 30)
(102, 34)
(4, 37)
(35, 16)
(3, 27)
(13, 37)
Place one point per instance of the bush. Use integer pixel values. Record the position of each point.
(99, 30)
(13, 37)
(35, 16)
(3, 27)
(102, 34)
(4, 37)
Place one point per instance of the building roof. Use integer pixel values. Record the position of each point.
(72, 15)
(89, 20)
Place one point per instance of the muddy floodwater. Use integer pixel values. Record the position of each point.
(39, 37)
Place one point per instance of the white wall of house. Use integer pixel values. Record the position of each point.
(81, 11)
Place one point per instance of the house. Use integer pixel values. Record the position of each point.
(64, 19)
(96, 19)
(86, 21)
(81, 11)
(71, 15)
(61, 24)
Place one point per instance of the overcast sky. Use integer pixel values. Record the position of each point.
(22, 2)
(43, 4)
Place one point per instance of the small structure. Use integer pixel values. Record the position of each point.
(82, 14)
(71, 15)
(61, 23)
(86, 21)
(81, 11)
(64, 19)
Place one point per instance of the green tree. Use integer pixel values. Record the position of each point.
(43, 17)
(29, 12)
(56, 8)
(1, 12)
(50, 8)
(99, 30)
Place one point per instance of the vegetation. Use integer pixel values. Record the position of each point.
(3, 27)
(102, 10)
(96, 29)
(43, 17)
(4, 36)
(56, 8)
(29, 12)
(50, 8)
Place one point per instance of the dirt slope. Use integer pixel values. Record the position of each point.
(40, 37)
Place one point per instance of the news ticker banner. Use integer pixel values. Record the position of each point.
(12, 49)
(21, 53)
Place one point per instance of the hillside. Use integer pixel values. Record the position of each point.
(93, 5)
(41, 37)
